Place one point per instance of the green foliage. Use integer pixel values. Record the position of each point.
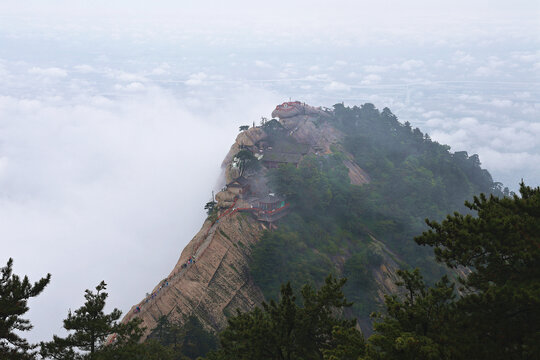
(273, 128)
(90, 326)
(416, 327)
(128, 345)
(210, 207)
(246, 161)
(211, 210)
(243, 128)
(148, 350)
(348, 344)
(313, 185)
(14, 295)
(501, 246)
(186, 340)
(412, 174)
(331, 222)
(287, 330)
(360, 286)
(497, 315)
(282, 255)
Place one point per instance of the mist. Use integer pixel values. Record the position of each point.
(115, 116)
(108, 190)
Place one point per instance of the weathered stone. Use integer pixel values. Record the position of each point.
(219, 282)
(215, 285)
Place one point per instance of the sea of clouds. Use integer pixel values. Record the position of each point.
(113, 128)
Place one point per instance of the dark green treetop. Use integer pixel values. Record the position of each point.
(246, 161)
(90, 327)
(497, 313)
(416, 325)
(501, 248)
(186, 339)
(286, 330)
(14, 295)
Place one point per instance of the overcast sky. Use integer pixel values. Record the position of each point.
(115, 115)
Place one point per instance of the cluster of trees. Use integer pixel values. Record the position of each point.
(186, 339)
(246, 161)
(92, 333)
(489, 309)
(479, 297)
(326, 221)
(306, 328)
(412, 178)
(273, 128)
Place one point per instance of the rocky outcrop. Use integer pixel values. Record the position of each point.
(307, 130)
(250, 137)
(215, 285)
(356, 174)
(293, 108)
(211, 279)
(385, 274)
(225, 198)
(247, 138)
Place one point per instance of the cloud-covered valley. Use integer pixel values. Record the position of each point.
(113, 128)
(99, 188)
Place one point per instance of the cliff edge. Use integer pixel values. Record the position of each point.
(211, 278)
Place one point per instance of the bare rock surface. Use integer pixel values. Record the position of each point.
(320, 136)
(356, 174)
(215, 285)
(218, 282)
(250, 137)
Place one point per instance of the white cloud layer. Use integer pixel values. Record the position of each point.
(53, 72)
(112, 128)
(108, 189)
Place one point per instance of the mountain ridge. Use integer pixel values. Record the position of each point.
(225, 266)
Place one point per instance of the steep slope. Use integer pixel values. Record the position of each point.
(212, 287)
(218, 281)
(298, 204)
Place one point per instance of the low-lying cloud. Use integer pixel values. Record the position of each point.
(108, 189)
(112, 129)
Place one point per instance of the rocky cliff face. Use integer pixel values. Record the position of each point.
(211, 279)
(213, 286)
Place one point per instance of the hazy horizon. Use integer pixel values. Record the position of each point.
(115, 116)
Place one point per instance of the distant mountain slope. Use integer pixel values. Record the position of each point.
(317, 191)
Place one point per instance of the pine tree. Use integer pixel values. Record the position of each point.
(90, 327)
(127, 345)
(286, 330)
(500, 307)
(14, 295)
(497, 312)
(417, 323)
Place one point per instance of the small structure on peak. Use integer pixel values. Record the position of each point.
(273, 159)
(270, 208)
(288, 109)
(293, 108)
(267, 208)
(239, 186)
(270, 202)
